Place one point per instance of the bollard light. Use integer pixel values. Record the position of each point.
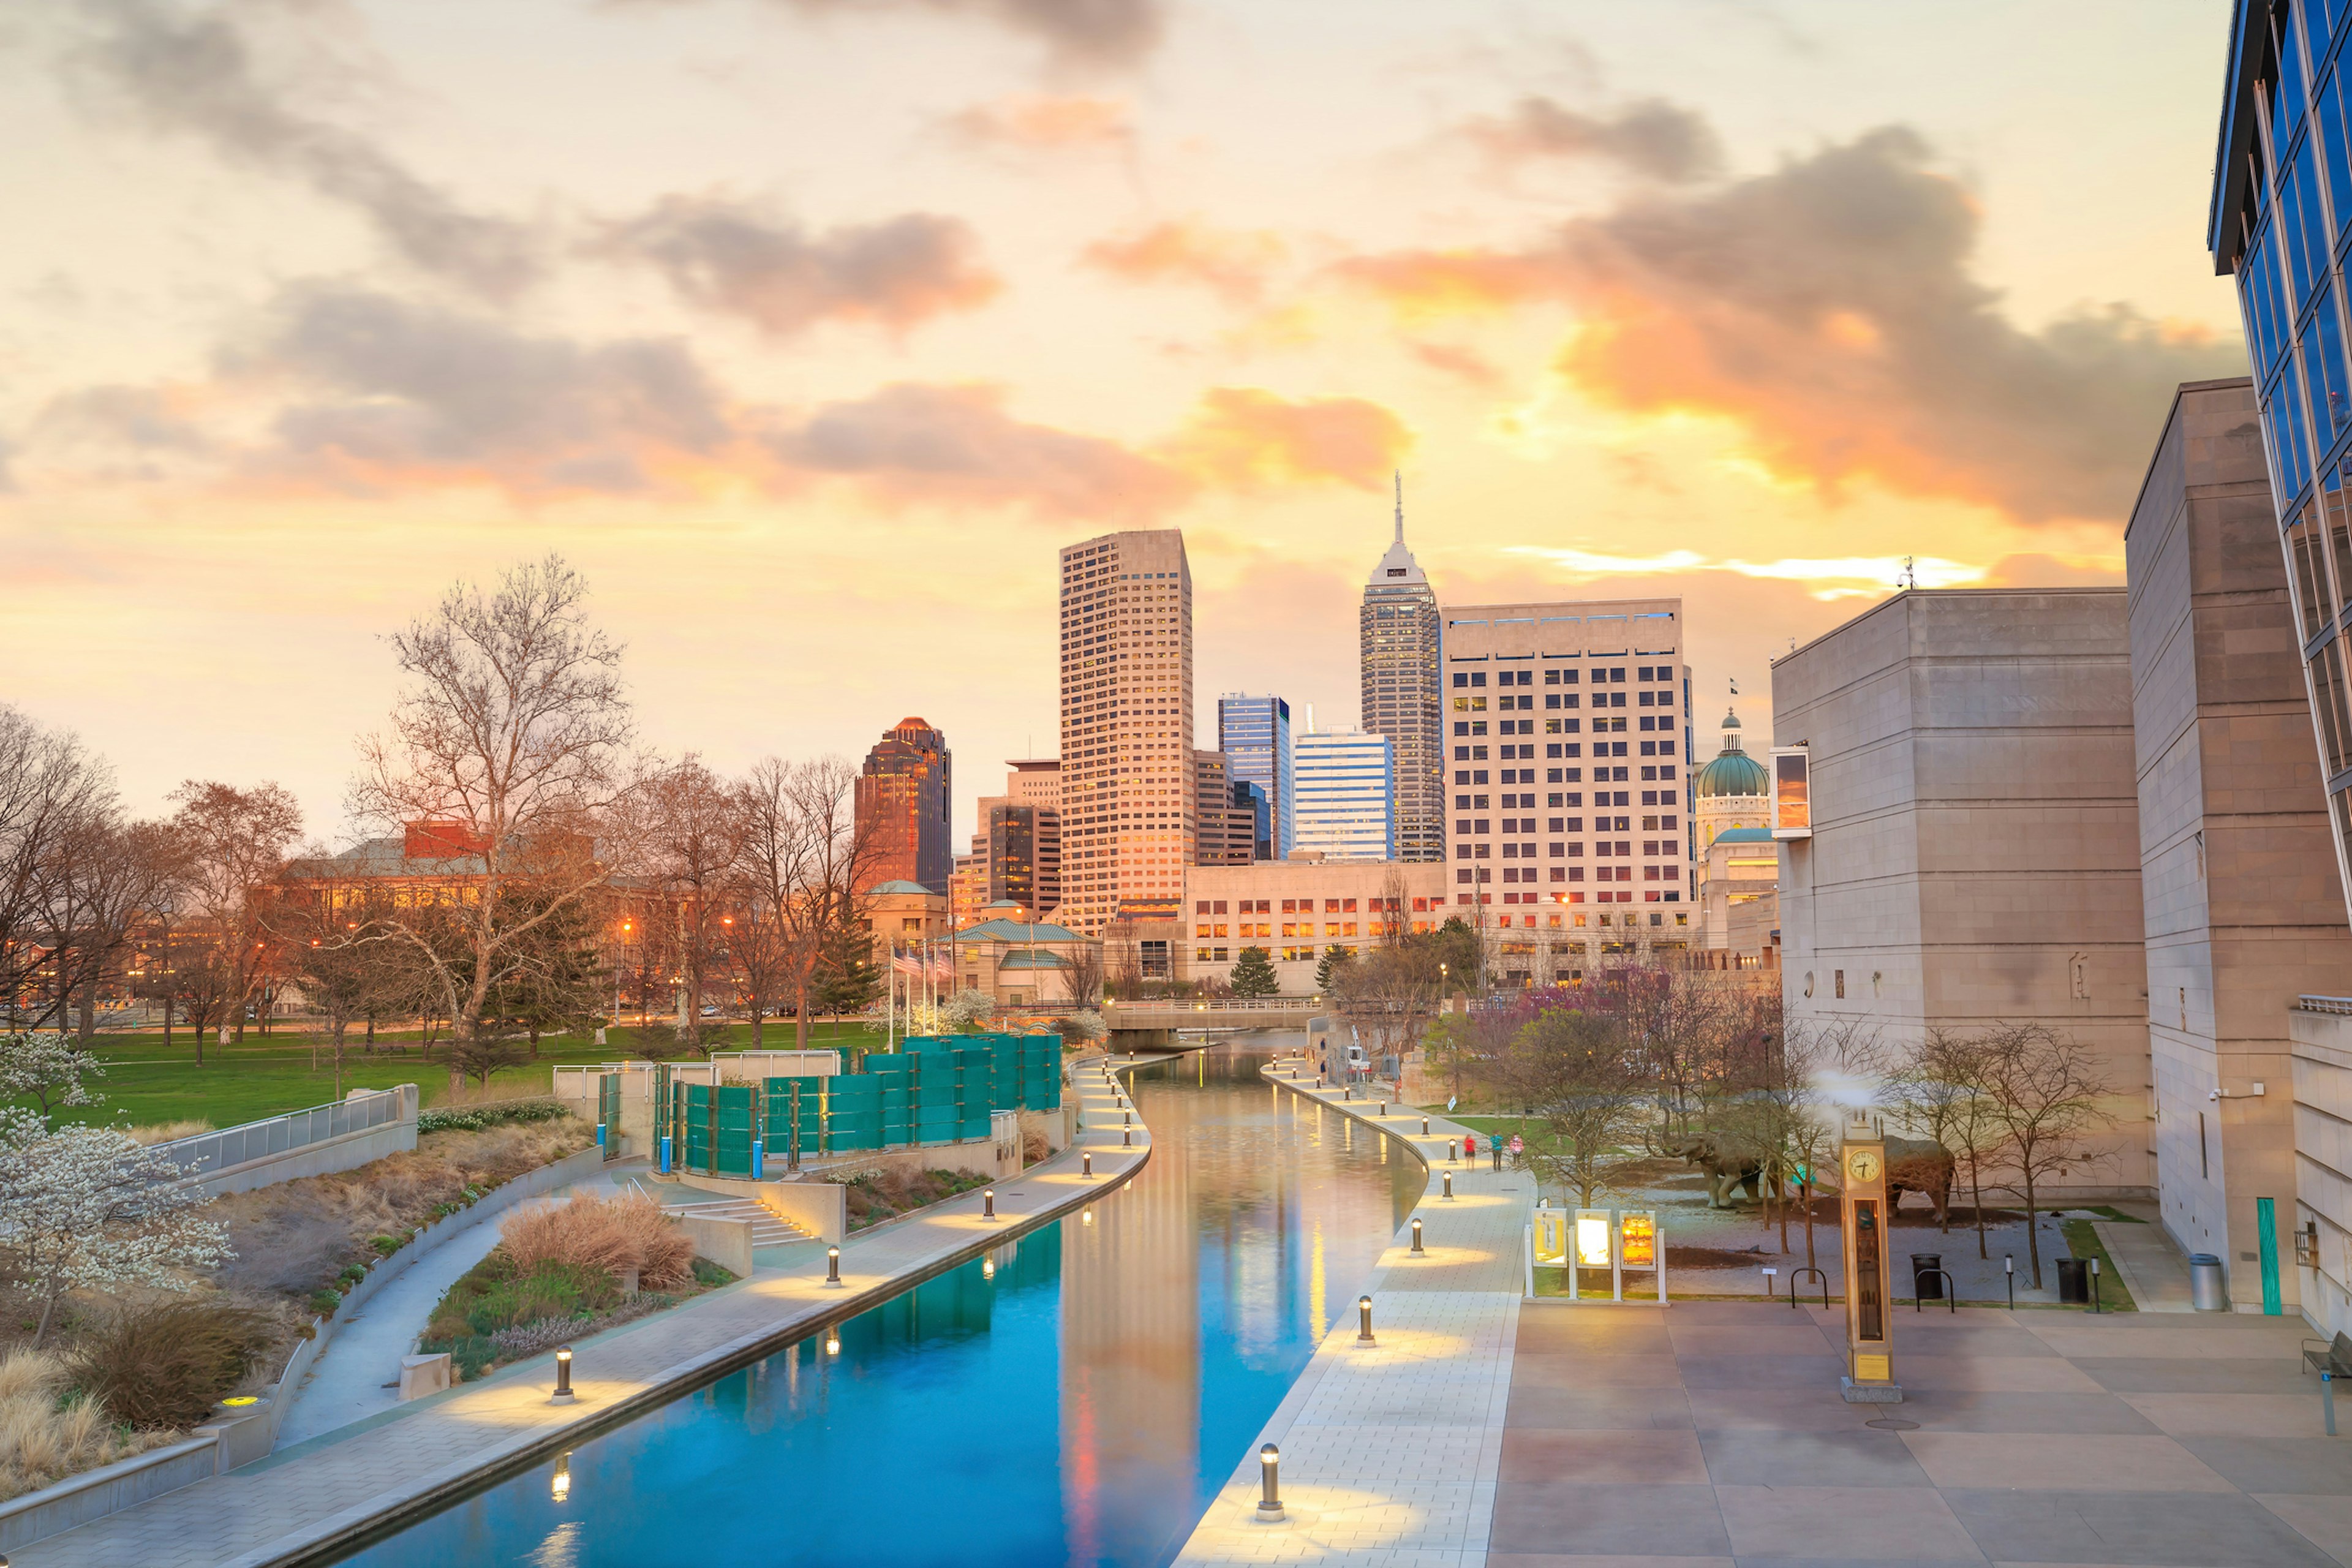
(832, 1266)
(988, 1203)
(1416, 1233)
(2008, 1272)
(2096, 1305)
(1452, 1148)
(1269, 1502)
(1131, 1119)
(1449, 1186)
(1347, 1091)
(1424, 1126)
(1126, 1137)
(558, 1488)
(1384, 1109)
(1364, 1320)
(1086, 1163)
(562, 1376)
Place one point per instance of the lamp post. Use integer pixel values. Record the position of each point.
(562, 1376)
(1416, 1233)
(1269, 1502)
(1364, 1320)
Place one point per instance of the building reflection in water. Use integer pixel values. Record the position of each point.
(1076, 1397)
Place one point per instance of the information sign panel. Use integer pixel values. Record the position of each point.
(1593, 1250)
(1551, 1237)
(1638, 1236)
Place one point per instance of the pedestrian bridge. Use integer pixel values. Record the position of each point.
(1163, 1019)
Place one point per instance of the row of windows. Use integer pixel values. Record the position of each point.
(1569, 775)
(1571, 849)
(1571, 798)
(1556, 750)
(1470, 679)
(1573, 874)
(1564, 699)
(1476, 826)
(1561, 726)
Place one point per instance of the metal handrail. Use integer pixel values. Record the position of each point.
(208, 1151)
(2338, 1004)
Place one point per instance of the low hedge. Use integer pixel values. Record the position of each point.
(501, 1113)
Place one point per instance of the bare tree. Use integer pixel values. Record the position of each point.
(1083, 976)
(232, 849)
(695, 833)
(1584, 1077)
(2044, 1087)
(515, 736)
(48, 785)
(805, 859)
(1939, 1093)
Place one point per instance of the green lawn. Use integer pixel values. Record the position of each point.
(264, 1077)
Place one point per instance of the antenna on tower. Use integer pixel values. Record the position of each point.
(1909, 579)
(1400, 505)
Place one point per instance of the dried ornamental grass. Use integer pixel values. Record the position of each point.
(169, 1362)
(610, 1235)
(42, 1443)
(168, 1131)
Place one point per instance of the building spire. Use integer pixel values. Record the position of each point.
(1400, 505)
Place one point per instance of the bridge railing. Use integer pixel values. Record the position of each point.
(1219, 1005)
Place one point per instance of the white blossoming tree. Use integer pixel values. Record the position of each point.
(967, 1010)
(49, 1067)
(85, 1208)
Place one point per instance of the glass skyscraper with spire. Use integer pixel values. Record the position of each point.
(1399, 628)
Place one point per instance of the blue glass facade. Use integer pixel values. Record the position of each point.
(2282, 224)
(1255, 735)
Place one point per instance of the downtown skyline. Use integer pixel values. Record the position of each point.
(377, 306)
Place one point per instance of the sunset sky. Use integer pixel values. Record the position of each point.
(810, 329)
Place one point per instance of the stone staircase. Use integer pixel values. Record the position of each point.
(768, 1227)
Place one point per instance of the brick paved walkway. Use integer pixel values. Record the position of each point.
(310, 1496)
(1390, 1455)
(1711, 1434)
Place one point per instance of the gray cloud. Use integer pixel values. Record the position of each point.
(197, 73)
(738, 260)
(1830, 307)
(1653, 138)
(1076, 32)
(121, 432)
(927, 443)
(389, 393)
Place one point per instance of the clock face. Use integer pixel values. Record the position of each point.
(1862, 1166)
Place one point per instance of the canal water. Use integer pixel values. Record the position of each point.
(1078, 1397)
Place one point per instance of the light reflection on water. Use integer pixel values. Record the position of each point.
(1080, 1406)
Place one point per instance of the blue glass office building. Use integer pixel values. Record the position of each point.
(2281, 224)
(1255, 735)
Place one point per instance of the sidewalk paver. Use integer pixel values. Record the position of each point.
(1390, 1454)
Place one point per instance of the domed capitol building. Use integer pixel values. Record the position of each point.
(1738, 864)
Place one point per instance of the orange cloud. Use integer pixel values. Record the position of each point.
(1040, 123)
(1830, 309)
(1235, 264)
(1243, 439)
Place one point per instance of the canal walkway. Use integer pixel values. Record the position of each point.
(306, 1501)
(1392, 1453)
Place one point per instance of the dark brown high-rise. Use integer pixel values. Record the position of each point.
(906, 790)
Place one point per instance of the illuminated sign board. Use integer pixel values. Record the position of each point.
(1592, 1239)
(1551, 1237)
(1637, 1235)
(1793, 797)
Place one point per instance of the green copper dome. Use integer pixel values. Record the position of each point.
(1734, 771)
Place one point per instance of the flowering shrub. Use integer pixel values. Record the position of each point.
(86, 1208)
(474, 1118)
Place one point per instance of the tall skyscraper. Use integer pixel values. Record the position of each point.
(1017, 846)
(1575, 665)
(1347, 795)
(1402, 640)
(1129, 811)
(905, 790)
(1253, 733)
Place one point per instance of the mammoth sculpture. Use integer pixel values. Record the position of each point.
(1919, 1166)
(1732, 1165)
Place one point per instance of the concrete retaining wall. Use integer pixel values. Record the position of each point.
(725, 1242)
(820, 1208)
(94, 1494)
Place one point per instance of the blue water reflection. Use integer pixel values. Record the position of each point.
(1073, 1399)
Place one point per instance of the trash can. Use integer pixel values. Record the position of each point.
(2075, 1281)
(2205, 1289)
(1926, 1276)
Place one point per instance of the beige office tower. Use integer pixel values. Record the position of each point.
(1567, 769)
(1400, 647)
(1129, 813)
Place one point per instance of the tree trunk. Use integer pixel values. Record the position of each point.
(801, 1019)
(88, 1008)
(2033, 1232)
(167, 1025)
(1805, 1195)
(1975, 1202)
